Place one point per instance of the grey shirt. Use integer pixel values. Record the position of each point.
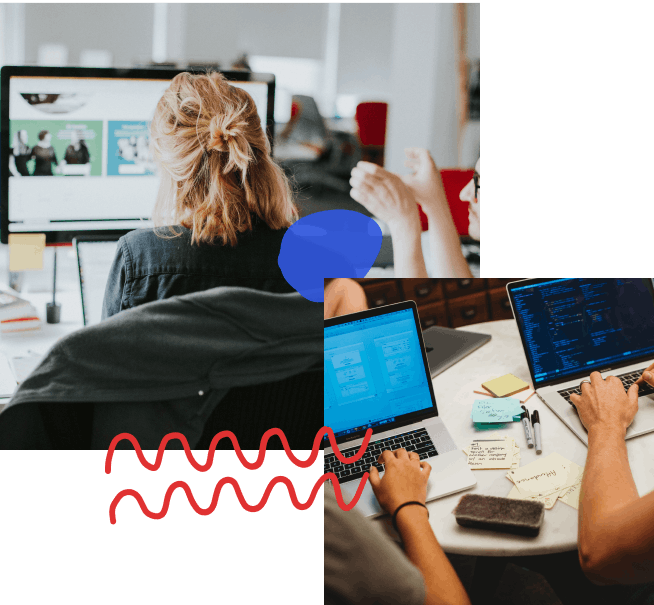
(362, 564)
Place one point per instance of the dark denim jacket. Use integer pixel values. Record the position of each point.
(151, 266)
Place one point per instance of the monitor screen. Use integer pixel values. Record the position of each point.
(88, 136)
(374, 372)
(576, 326)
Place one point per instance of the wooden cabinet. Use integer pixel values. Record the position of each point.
(445, 302)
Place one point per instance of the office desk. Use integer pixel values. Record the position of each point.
(40, 341)
(454, 396)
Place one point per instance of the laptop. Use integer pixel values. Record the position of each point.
(377, 376)
(446, 346)
(95, 255)
(573, 327)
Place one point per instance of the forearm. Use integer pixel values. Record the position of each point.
(445, 246)
(407, 250)
(607, 487)
(442, 584)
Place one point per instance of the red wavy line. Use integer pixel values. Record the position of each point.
(249, 465)
(234, 483)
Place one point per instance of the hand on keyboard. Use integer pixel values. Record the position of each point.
(647, 379)
(405, 479)
(604, 404)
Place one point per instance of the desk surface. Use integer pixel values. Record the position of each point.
(40, 341)
(454, 396)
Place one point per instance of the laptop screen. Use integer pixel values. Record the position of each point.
(374, 372)
(576, 326)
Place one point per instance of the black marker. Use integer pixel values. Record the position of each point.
(525, 423)
(535, 421)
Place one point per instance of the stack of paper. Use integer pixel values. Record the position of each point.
(499, 409)
(493, 453)
(16, 314)
(547, 480)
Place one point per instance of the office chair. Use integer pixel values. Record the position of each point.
(454, 180)
(293, 405)
(370, 118)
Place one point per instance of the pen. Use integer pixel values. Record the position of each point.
(535, 421)
(525, 423)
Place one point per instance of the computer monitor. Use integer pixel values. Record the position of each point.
(92, 126)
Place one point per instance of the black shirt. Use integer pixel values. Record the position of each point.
(153, 265)
(45, 157)
(21, 158)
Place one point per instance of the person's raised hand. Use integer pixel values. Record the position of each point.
(647, 377)
(405, 479)
(604, 404)
(425, 180)
(385, 195)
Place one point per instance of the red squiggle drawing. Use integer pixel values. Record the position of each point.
(234, 483)
(249, 465)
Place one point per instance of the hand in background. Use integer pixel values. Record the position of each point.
(604, 404)
(425, 183)
(385, 195)
(405, 479)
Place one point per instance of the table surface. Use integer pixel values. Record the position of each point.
(40, 341)
(454, 397)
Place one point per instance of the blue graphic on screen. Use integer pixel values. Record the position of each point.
(374, 372)
(572, 326)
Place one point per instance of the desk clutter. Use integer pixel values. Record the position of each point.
(17, 314)
(547, 480)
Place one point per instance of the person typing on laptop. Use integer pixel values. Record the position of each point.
(362, 564)
(616, 525)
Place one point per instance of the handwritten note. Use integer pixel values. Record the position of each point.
(502, 453)
(549, 479)
(500, 409)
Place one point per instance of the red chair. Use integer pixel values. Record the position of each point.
(454, 181)
(371, 126)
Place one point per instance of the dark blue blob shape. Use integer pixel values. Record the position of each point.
(333, 243)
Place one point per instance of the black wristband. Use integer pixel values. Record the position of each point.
(401, 506)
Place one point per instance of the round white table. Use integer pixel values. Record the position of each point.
(454, 397)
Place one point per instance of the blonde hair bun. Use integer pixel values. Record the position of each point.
(216, 169)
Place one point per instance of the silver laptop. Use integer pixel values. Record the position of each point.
(377, 376)
(573, 327)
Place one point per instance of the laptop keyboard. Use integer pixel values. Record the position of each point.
(417, 441)
(627, 381)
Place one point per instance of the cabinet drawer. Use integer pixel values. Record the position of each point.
(434, 314)
(454, 288)
(468, 310)
(382, 293)
(500, 283)
(500, 306)
(422, 290)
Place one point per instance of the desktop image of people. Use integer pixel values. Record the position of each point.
(61, 148)
(129, 149)
(508, 462)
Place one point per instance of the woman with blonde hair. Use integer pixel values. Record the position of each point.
(223, 205)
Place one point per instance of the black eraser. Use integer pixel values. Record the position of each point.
(522, 517)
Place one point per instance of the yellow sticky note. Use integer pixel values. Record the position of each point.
(504, 386)
(26, 251)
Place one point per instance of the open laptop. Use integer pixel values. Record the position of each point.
(377, 376)
(95, 255)
(573, 327)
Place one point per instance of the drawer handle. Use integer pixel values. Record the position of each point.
(428, 323)
(422, 291)
(464, 283)
(506, 304)
(468, 313)
(379, 302)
